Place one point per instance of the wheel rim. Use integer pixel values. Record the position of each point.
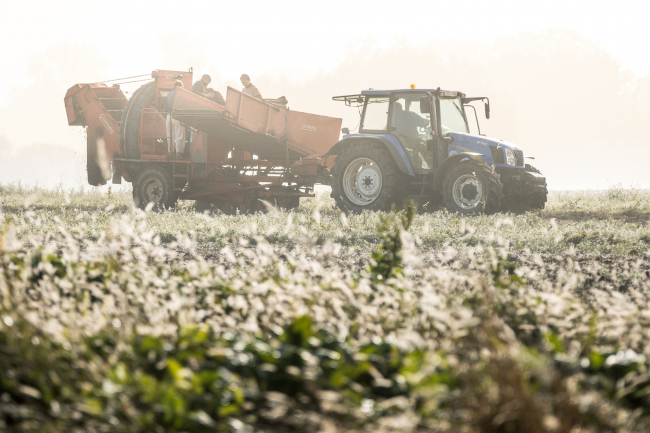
(362, 181)
(468, 191)
(152, 191)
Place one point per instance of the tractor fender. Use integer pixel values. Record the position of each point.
(390, 142)
(448, 164)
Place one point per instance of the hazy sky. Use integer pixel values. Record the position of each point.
(49, 46)
(282, 36)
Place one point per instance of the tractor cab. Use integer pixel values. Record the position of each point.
(396, 116)
(405, 117)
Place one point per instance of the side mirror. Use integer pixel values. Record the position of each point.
(487, 110)
(345, 131)
(425, 104)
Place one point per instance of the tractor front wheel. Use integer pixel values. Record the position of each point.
(537, 201)
(154, 185)
(471, 188)
(534, 198)
(365, 177)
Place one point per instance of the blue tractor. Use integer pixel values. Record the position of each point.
(415, 144)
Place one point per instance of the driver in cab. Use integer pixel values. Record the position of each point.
(408, 122)
(408, 125)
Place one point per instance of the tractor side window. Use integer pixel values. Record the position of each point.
(376, 114)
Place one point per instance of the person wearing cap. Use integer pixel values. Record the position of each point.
(249, 88)
(201, 87)
(175, 130)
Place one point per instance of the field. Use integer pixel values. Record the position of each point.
(113, 319)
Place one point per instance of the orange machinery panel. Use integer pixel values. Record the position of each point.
(184, 99)
(306, 133)
(165, 79)
(98, 107)
(165, 83)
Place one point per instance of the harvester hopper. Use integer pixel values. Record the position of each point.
(271, 132)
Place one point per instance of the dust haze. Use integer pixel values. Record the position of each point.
(559, 96)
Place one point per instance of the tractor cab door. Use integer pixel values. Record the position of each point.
(412, 128)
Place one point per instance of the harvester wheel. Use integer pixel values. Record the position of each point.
(130, 123)
(365, 177)
(471, 188)
(154, 185)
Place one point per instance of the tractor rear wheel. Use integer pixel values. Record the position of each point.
(365, 177)
(471, 188)
(154, 185)
(130, 123)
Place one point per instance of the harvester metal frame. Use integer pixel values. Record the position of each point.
(223, 169)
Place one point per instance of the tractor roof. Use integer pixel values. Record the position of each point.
(356, 98)
(374, 92)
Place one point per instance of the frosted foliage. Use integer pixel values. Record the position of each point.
(480, 332)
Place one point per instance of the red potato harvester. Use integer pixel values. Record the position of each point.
(247, 151)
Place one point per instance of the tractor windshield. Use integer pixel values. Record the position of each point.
(452, 117)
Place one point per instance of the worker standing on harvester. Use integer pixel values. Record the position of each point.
(201, 87)
(175, 130)
(249, 88)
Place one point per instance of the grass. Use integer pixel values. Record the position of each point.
(112, 319)
(612, 222)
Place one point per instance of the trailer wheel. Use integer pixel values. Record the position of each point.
(154, 185)
(130, 123)
(471, 188)
(365, 177)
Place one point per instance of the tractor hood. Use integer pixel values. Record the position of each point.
(493, 149)
(471, 141)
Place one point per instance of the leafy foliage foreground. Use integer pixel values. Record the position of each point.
(126, 334)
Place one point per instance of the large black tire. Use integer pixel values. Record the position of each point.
(532, 201)
(393, 186)
(471, 187)
(130, 123)
(154, 185)
(537, 201)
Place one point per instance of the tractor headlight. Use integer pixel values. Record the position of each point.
(510, 157)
